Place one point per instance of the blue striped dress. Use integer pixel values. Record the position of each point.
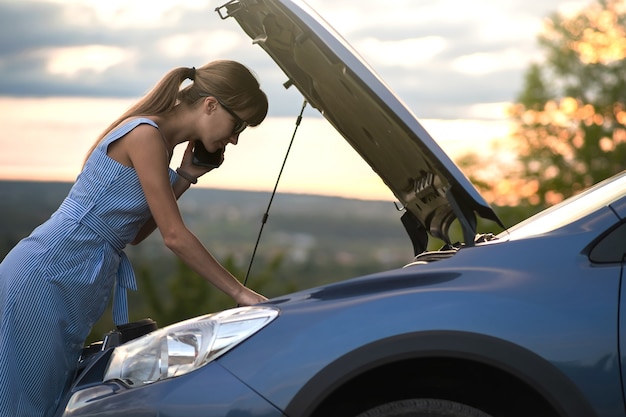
(56, 283)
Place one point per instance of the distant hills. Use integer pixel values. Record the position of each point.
(304, 228)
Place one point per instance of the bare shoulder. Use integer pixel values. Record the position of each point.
(146, 131)
(143, 141)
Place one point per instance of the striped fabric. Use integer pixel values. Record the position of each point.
(56, 283)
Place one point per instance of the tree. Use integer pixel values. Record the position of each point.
(570, 118)
(188, 295)
(184, 295)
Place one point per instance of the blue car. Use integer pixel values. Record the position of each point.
(524, 323)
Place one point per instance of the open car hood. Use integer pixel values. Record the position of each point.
(334, 79)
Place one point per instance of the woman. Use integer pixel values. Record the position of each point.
(56, 283)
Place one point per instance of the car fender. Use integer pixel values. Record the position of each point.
(555, 387)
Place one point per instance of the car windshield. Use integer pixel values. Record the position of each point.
(571, 209)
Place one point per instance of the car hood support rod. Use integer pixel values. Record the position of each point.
(267, 211)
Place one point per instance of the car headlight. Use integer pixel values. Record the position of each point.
(185, 346)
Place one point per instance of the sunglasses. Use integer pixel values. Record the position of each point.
(240, 124)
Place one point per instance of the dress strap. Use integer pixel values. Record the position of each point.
(124, 128)
(167, 146)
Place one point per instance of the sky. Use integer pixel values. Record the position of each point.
(69, 67)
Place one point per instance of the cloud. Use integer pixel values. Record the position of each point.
(71, 61)
(196, 43)
(123, 14)
(440, 57)
(407, 53)
(482, 63)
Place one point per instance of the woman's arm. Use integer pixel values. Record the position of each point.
(145, 151)
(180, 186)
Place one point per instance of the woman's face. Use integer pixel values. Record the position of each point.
(239, 124)
(223, 126)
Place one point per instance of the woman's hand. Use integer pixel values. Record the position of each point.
(187, 164)
(248, 297)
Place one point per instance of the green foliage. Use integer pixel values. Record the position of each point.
(536, 93)
(189, 295)
(308, 241)
(570, 115)
(569, 119)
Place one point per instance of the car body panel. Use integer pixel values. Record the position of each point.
(534, 312)
(209, 392)
(372, 119)
(604, 194)
(492, 352)
(534, 309)
(620, 209)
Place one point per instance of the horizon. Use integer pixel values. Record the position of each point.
(208, 188)
(321, 162)
(65, 79)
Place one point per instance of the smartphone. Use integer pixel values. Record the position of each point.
(202, 157)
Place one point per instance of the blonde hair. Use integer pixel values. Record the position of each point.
(231, 82)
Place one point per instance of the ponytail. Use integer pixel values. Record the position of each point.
(231, 81)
